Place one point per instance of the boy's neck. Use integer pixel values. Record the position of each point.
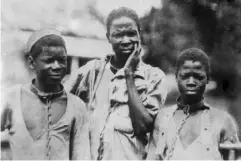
(195, 104)
(118, 62)
(190, 100)
(47, 88)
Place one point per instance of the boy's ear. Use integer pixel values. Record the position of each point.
(208, 79)
(176, 77)
(107, 36)
(31, 62)
(176, 74)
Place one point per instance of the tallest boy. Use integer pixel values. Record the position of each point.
(123, 93)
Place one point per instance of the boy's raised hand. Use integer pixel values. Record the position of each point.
(133, 60)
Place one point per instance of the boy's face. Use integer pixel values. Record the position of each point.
(192, 79)
(51, 65)
(123, 35)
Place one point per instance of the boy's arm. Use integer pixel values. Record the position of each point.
(6, 111)
(6, 115)
(81, 142)
(229, 133)
(6, 124)
(143, 109)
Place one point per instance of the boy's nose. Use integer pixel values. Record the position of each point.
(191, 82)
(56, 65)
(126, 40)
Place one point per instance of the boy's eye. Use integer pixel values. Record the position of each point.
(48, 60)
(131, 33)
(184, 76)
(199, 77)
(117, 35)
(63, 60)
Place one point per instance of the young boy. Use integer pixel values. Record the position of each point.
(191, 129)
(44, 121)
(122, 93)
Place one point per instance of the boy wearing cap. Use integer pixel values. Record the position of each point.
(191, 129)
(44, 121)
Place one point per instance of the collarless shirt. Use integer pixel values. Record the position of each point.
(42, 125)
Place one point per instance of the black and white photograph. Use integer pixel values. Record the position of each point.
(120, 80)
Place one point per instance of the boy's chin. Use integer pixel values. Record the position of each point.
(191, 93)
(193, 96)
(54, 82)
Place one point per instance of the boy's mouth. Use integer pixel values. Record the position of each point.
(127, 51)
(56, 76)
(191, 91)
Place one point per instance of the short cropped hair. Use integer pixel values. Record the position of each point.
(46, 41)
(122, 12)
(193, 54)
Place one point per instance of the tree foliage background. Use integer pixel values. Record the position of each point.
(212, 25)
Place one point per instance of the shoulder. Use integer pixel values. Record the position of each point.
(152, 74)
(226, 125)
(223, 118)
(218, 114)
(92, 64)
(81, 75)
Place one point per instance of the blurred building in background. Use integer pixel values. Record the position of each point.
(78, 21)
(82, 22)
